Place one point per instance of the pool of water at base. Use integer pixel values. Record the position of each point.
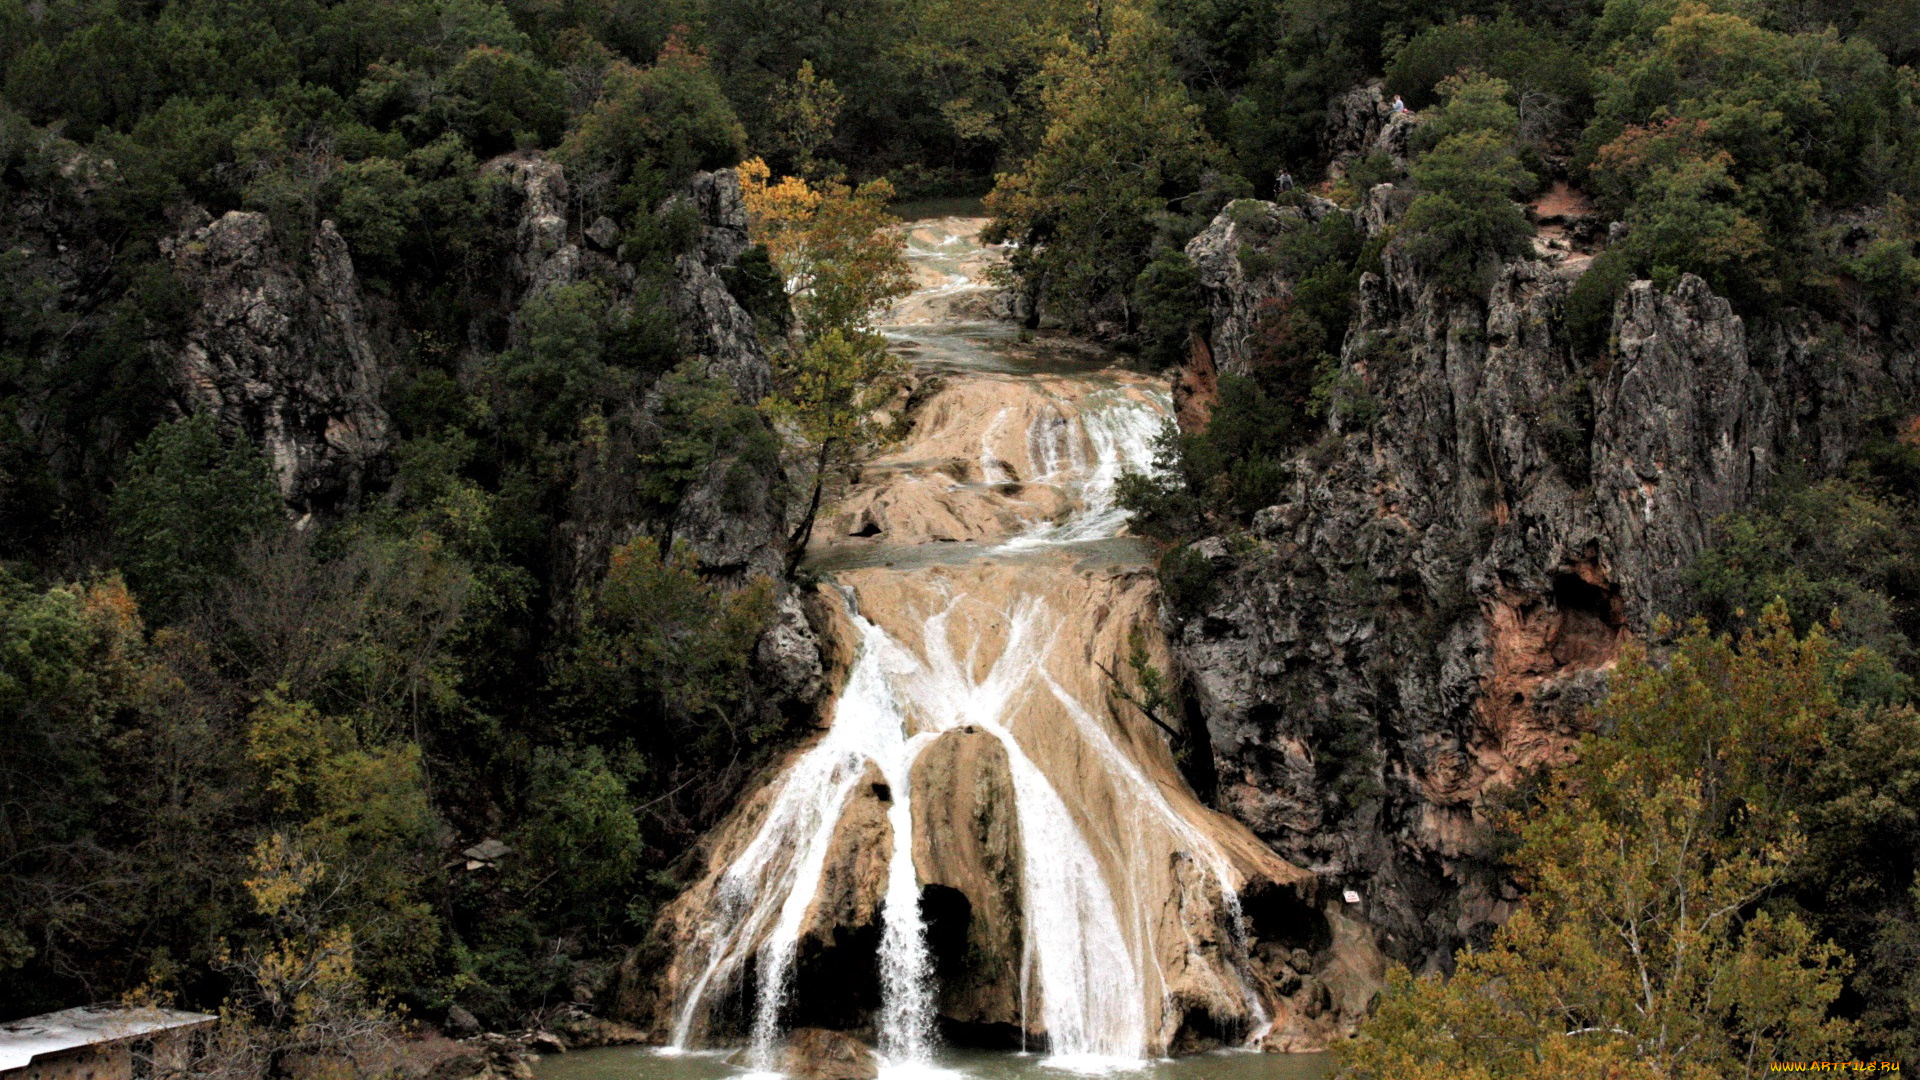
(646, 1063)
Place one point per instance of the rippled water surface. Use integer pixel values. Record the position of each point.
(637, 1063)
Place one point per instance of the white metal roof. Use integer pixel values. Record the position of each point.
(23, 1040)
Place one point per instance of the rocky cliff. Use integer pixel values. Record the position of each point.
(295, 353)
(1459, 557)
(280, 349)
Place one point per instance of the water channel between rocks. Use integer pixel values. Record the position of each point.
(1061, 887)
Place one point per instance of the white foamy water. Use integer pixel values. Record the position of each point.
(1120, 425)
(1090, 970)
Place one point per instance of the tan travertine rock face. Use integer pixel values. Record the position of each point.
(949, 274)
(853, 881)
(990, 457)
(966, 837)
(819, 1054)
(1109, 765)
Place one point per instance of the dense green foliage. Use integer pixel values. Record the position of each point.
(1216, 477)
(248, 734)
(1726, 876)
(1724, 136)
(1682, 877)
(342, 702)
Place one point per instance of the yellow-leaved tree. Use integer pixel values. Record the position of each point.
(300, 1007)
(1648, 945)
(837, 251)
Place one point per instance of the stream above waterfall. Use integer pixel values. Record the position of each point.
(990, 844)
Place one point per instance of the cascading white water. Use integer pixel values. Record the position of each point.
(1090, 969)
(1090, 988)
(1122, 427)
(992, 469)
(1051, 445)
(1089, 982)
(764, 893)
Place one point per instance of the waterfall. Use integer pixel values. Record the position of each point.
(764, 893)
(1100, 838)
(992, 469)
(1122, 428)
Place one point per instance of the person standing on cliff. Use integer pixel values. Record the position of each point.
(1282, 182)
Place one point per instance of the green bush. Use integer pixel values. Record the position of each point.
(500, 99)
(1186, 579)
(188, 499)
(1169, 306)
(1465, 223)
(1588, 313)
(1530, 59)
(1566, 429)
(654, 126)
(1216, 478)
(1836, 549)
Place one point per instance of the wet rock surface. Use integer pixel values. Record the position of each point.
(820, 1054)
(1072, 891)
(966, 849)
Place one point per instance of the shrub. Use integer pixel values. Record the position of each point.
(188, 499)
(1186, 579)
(655, 126)
(1170, 307)
(1588, 313)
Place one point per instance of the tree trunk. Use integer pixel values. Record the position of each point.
(797, 543)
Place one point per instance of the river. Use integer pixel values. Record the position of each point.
(988, 845)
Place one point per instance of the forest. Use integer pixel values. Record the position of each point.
(256, 714)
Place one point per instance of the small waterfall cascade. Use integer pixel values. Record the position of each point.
(976, 750)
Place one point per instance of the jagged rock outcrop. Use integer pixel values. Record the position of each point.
(544, 254)
(282, 352)
(1238, 297)
(820, 1054)
(732, 517)
(1458, 560)
(1362, 122)
(713, 325)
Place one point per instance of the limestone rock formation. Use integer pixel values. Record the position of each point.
(713, 325)
(990, 457)
(732, 516)
(1455, 565)
(966, 850)
(544, 254)
(840, 930)
(283, 353)
(1362, 122)
(1236, 297)
(820, 1054)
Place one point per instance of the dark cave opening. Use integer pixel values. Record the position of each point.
(1587, 622)
(947, 914)
(836, 981)
(1197, 763)
(1279, 914)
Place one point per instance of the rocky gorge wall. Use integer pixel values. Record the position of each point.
(1458, 559)
(294, 351)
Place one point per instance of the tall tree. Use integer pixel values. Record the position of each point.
(1647, 944)
(840, 255)
(1123, 146)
